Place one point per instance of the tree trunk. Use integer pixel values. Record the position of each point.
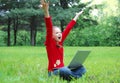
(64, 5)
(33, 30)
(8, 31)
(15, 30)
(61, 25)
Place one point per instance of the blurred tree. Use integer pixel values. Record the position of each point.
(5, 7)
(64, 11)
(64, 5)
(19, 9)
(25, 14)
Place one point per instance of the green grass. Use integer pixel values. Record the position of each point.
(29, 65)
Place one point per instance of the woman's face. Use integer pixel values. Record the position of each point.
(57, 34)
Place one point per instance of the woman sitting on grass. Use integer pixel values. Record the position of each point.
(54, 47)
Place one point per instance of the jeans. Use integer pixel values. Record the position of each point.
(67, 74)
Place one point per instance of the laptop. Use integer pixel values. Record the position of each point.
(78, 59)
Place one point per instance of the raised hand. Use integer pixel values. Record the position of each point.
(45, 6)
(77, 15)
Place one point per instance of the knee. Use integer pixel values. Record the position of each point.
(80, 72)
(64, 70)
(65, 73)
(83, 70)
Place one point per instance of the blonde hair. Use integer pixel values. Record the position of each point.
(56, 27)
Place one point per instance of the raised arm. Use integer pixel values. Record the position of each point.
(77, 15)
(48, 21)
(70, 25)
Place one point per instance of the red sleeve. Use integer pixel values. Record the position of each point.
(48, 23)
(67, 29)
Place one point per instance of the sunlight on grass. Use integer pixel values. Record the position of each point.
(29, 65)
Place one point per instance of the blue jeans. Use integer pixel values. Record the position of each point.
(66, 74)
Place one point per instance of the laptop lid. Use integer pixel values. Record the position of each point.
(78, 59)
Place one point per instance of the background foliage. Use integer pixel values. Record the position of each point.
(22, 22)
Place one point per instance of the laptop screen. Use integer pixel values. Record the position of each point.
(78, 59)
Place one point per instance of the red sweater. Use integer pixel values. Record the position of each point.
(55, 54)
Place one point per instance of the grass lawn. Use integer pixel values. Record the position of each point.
(29, 65)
